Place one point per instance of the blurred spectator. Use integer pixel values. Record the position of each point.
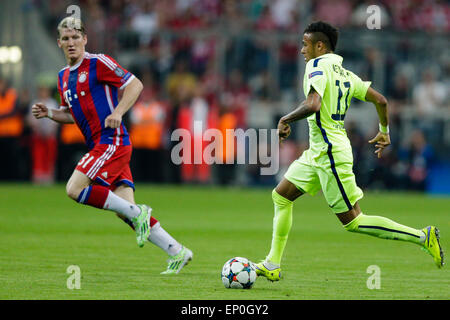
(148, 117)
(209, 9)
(259, 51)
(372, 63)
(233, 17)
(43, 140)
(226, 172)
(288, 53)
(237, 43)
(420, 14)
(145, 21)
(358, 143)
(237, 97)
(98, 36)
(186, 17)
(195, 116)
(338, 13)
(430, 94)
(11, 129)
(52, 12)
(211, 83)
(261, 108)
(113, 23)
(399, 105)
(419, 156)
(181, 82)
(400, 90)
(402, 11)
(433, 16)
(202, 51)
(284, 13)
(265, 21)
(255, 8)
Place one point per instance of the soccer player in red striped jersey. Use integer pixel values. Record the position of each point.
(88, 89)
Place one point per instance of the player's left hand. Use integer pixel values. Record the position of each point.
(284, 130)
(381, 140)
(113, 121)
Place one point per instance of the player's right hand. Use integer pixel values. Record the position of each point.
(39, 110)
(284, 130)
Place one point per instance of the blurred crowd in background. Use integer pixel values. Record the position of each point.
(236, 64)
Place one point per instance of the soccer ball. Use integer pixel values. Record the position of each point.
(238, 273)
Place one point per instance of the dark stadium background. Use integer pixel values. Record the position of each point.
(237, 62)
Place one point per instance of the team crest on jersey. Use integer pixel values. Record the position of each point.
(83, 76)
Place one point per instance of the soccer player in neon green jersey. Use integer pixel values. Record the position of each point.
(328, 162)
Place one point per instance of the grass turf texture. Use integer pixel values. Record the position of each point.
(42, 232)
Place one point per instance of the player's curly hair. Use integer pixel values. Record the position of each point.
(324, 32)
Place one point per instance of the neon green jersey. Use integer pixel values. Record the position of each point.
(337, 86)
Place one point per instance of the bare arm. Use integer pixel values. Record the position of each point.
(382, 139)
(305, 109)
(40, 110)
(380, 103)
(130, 95)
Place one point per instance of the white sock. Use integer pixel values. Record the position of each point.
(165, 241)
(115, 203)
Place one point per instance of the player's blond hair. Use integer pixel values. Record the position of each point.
(71, 23)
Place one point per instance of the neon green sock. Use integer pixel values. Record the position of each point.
(282, 222)
(384, 228)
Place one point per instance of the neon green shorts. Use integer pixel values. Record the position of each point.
(333, 173)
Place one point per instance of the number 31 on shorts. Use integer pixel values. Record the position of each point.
(84, 161)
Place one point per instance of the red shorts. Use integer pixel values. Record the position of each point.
(108, 165)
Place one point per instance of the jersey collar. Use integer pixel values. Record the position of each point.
(332, 56)
(75, 67)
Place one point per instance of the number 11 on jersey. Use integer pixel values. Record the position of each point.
(338, 116)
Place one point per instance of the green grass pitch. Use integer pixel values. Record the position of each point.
(43, 232)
